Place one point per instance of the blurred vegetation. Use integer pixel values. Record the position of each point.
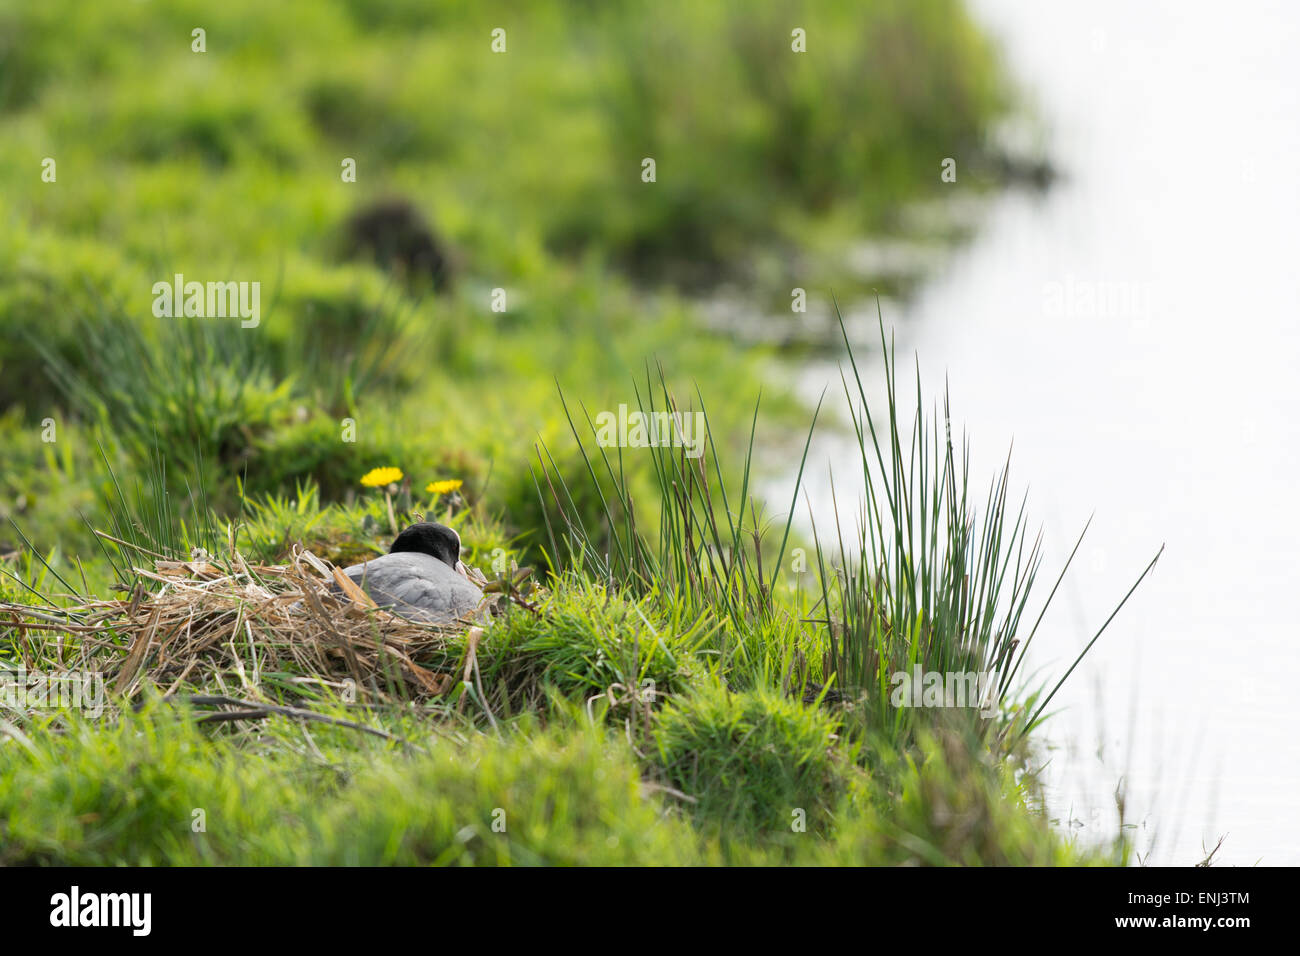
(656, 708)
(475, 171)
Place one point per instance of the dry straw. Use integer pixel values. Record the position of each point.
(302, 623)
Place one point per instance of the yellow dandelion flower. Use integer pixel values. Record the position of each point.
(378, 477)
(444, 487)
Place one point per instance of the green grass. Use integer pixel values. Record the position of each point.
(156, 790)
(694, 690)
(563, 118)
(682, 690)
(754, 761)
(613, 653)
(928, 576)
(225, 165)
(137, 793)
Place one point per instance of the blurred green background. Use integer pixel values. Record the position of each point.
(476, 170)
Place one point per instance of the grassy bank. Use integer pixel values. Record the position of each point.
(684, 676)
(681, 685)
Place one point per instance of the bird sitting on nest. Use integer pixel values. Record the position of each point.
(422, 577)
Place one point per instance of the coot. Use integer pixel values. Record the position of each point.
(421, 577)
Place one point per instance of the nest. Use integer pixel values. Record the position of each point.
(303, 623)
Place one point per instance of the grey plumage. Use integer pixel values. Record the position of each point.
(421, 578)
(416, 586)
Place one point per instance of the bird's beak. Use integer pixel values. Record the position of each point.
(462, 570)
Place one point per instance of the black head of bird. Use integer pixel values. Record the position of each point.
(431, 538)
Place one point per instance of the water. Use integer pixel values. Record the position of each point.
(1135, 329)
